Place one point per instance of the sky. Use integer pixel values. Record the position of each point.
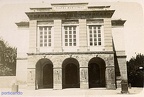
(12, 11)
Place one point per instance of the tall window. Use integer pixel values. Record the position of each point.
(95, 35)
(45, 36)
(70, 35)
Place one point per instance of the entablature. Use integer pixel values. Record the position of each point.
(70, 14)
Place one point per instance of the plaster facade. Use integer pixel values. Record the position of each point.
(50, 67)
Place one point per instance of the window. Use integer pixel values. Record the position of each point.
(70, 36)
(95, 35)
(45, 36)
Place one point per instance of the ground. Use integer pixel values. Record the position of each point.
(75, 92)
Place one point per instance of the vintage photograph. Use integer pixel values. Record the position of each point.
(79, 48)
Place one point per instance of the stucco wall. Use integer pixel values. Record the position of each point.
(6, 81)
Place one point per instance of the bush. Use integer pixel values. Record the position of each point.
(135, 74)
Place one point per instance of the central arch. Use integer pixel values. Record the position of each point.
(44, 74)
(70, 73)
(96, 69)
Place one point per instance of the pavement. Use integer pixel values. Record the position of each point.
(73, 92)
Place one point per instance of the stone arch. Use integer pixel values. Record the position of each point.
(96, 72)
(70, 73)
(44, 74)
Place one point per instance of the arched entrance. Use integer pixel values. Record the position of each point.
(70, 73)
(96, 69)
(44, 74)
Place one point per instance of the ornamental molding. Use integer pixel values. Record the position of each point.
(71, 53)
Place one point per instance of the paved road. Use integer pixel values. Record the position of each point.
(74, 92)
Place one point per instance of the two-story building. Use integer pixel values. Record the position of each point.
(73, 45)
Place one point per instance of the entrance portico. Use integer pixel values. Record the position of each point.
(74, 71)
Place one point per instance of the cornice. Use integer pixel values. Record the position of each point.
(65, 53)
(124, 56)
(118, 22)
(70, 14)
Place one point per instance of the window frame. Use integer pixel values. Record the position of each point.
(45, 48)
(70, 48)
(96, 47)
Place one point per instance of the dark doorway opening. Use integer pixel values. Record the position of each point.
(44, 74)
(70, 73)
(94, 75)
(96, 69)
(47, 76)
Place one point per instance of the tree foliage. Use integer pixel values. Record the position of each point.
(135, 67)
(7, 59)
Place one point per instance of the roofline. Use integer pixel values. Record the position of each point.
(73, 11)
(41, 8)
(68, 3)
(98, 6)
(104, 13)
(22, 23)
(118, 22)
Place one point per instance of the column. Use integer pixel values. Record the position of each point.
(31, 73)
(110, 72)
(31, 78)
(110, 77)
(84, 78)
(57, 78)
(123, 73)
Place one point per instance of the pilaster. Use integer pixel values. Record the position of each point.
(108, 34)
(57, 35)
(84, 78)
(32, 36)
(82, 35)
(110, 73)
(57, 71)
(31, 78)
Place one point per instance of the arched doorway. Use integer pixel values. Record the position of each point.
(96, 69)
(70, 73)
(44, 74)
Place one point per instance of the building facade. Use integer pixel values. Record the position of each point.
(72, 45)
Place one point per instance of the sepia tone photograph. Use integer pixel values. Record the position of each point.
(79, 48)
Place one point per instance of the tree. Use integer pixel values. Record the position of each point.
(135, 67)
(7, 59)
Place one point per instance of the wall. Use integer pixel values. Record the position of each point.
(6, 81)
(108, 34)
(118, 38)
(21, 70)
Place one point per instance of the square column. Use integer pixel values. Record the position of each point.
(84, 78)
(31, 78)
(110, 77)
(57, 78)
